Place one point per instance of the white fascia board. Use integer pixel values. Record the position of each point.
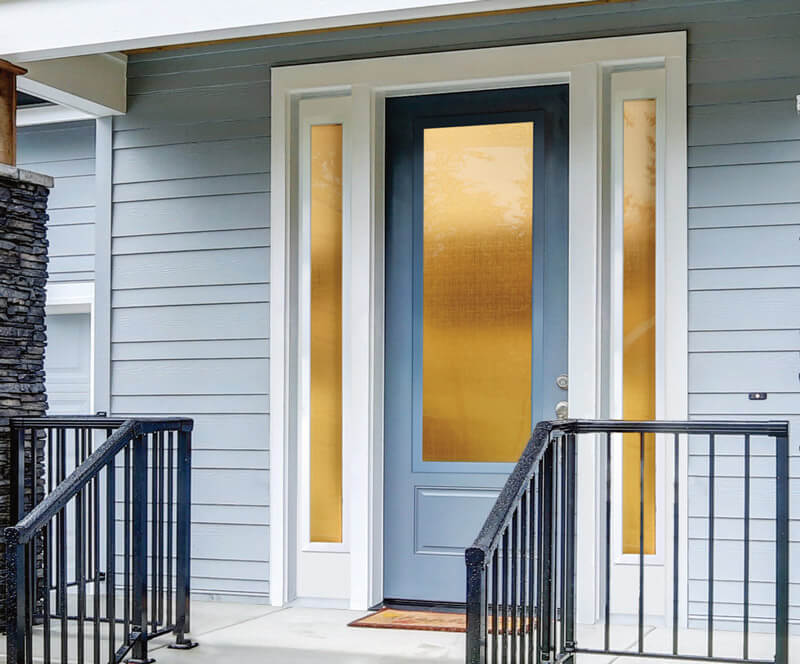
(91, 84)
(80, 27)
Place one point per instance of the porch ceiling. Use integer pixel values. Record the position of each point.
(78, 27)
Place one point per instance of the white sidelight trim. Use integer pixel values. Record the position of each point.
(76, 27)
(95, 85)
(629, 85)
(316, 112)
(581, 64)
(75, 298)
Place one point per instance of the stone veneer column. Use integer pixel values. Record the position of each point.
(23, 276)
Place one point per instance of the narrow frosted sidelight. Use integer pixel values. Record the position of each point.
(326, 334)
(639, 317)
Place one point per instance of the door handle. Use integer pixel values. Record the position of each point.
(562, 410)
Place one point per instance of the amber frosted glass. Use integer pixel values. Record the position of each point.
(326, 334)
(478, 206)
(639, 314)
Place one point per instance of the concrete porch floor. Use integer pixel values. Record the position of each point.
(251, 634)
(246, 634)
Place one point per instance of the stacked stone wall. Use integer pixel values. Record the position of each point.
(23, 277)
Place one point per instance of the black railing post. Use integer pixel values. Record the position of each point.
(476, 606)
(183, 540)
(782, 550)
(139, 553)
(15, 598)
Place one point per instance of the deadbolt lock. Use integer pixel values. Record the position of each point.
(562, 381)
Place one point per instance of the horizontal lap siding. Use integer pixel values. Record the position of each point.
(191, 198)
(65, 151)
(190, 304)
(744, 297)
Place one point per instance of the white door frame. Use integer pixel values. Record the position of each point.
(581, 64)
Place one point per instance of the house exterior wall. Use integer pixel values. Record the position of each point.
(65, 151)
(190, 245)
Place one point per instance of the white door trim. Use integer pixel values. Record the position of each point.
(581, 64)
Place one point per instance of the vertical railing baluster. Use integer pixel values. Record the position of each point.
(641, 542)
(96, 571)
(80, 561)
(61, 563)
(154, 530)
(17, 475)
(495, 599)
(46, 577)
(111, 562)
(607, 598)
(30, 596)
(711, 460)
(140, 547)
(523, 567)
(675, 539)
(514, 571)
(746, 576)
(546, 562)
(504, 600)
(562, 540)
(782, 549)
(161, 534)
(532, 562)
(568, 614)
(126, 544)
(170, 472)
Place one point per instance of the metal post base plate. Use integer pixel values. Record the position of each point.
(185, 644)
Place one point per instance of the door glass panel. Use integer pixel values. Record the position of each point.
(639, 317)
(477, 292)
(326, 334)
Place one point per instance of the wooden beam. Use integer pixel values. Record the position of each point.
(8, 112)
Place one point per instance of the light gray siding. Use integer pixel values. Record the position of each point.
(191, 243)
(66, 151)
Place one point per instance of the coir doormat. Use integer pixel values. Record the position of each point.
(429, 621)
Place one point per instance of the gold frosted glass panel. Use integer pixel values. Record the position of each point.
(326, 334)
(477, 255)
(639, 317)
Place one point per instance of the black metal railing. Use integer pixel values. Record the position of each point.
(521, 568)
(100, 564)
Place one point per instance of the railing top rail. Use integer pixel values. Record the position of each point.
(147, 424)
(756, 428)
(83, 474)
(489, 535)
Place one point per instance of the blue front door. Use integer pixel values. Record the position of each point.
(476, 311)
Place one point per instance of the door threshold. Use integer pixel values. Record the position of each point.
(420, 605)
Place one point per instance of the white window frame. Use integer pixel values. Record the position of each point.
(368, 82)
(75, 298)
(317, 112)
(629, 85)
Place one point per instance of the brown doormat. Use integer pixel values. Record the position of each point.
(429, 621)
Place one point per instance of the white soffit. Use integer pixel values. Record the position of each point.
(38, 29)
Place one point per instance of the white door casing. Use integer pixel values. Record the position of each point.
(582, 65)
